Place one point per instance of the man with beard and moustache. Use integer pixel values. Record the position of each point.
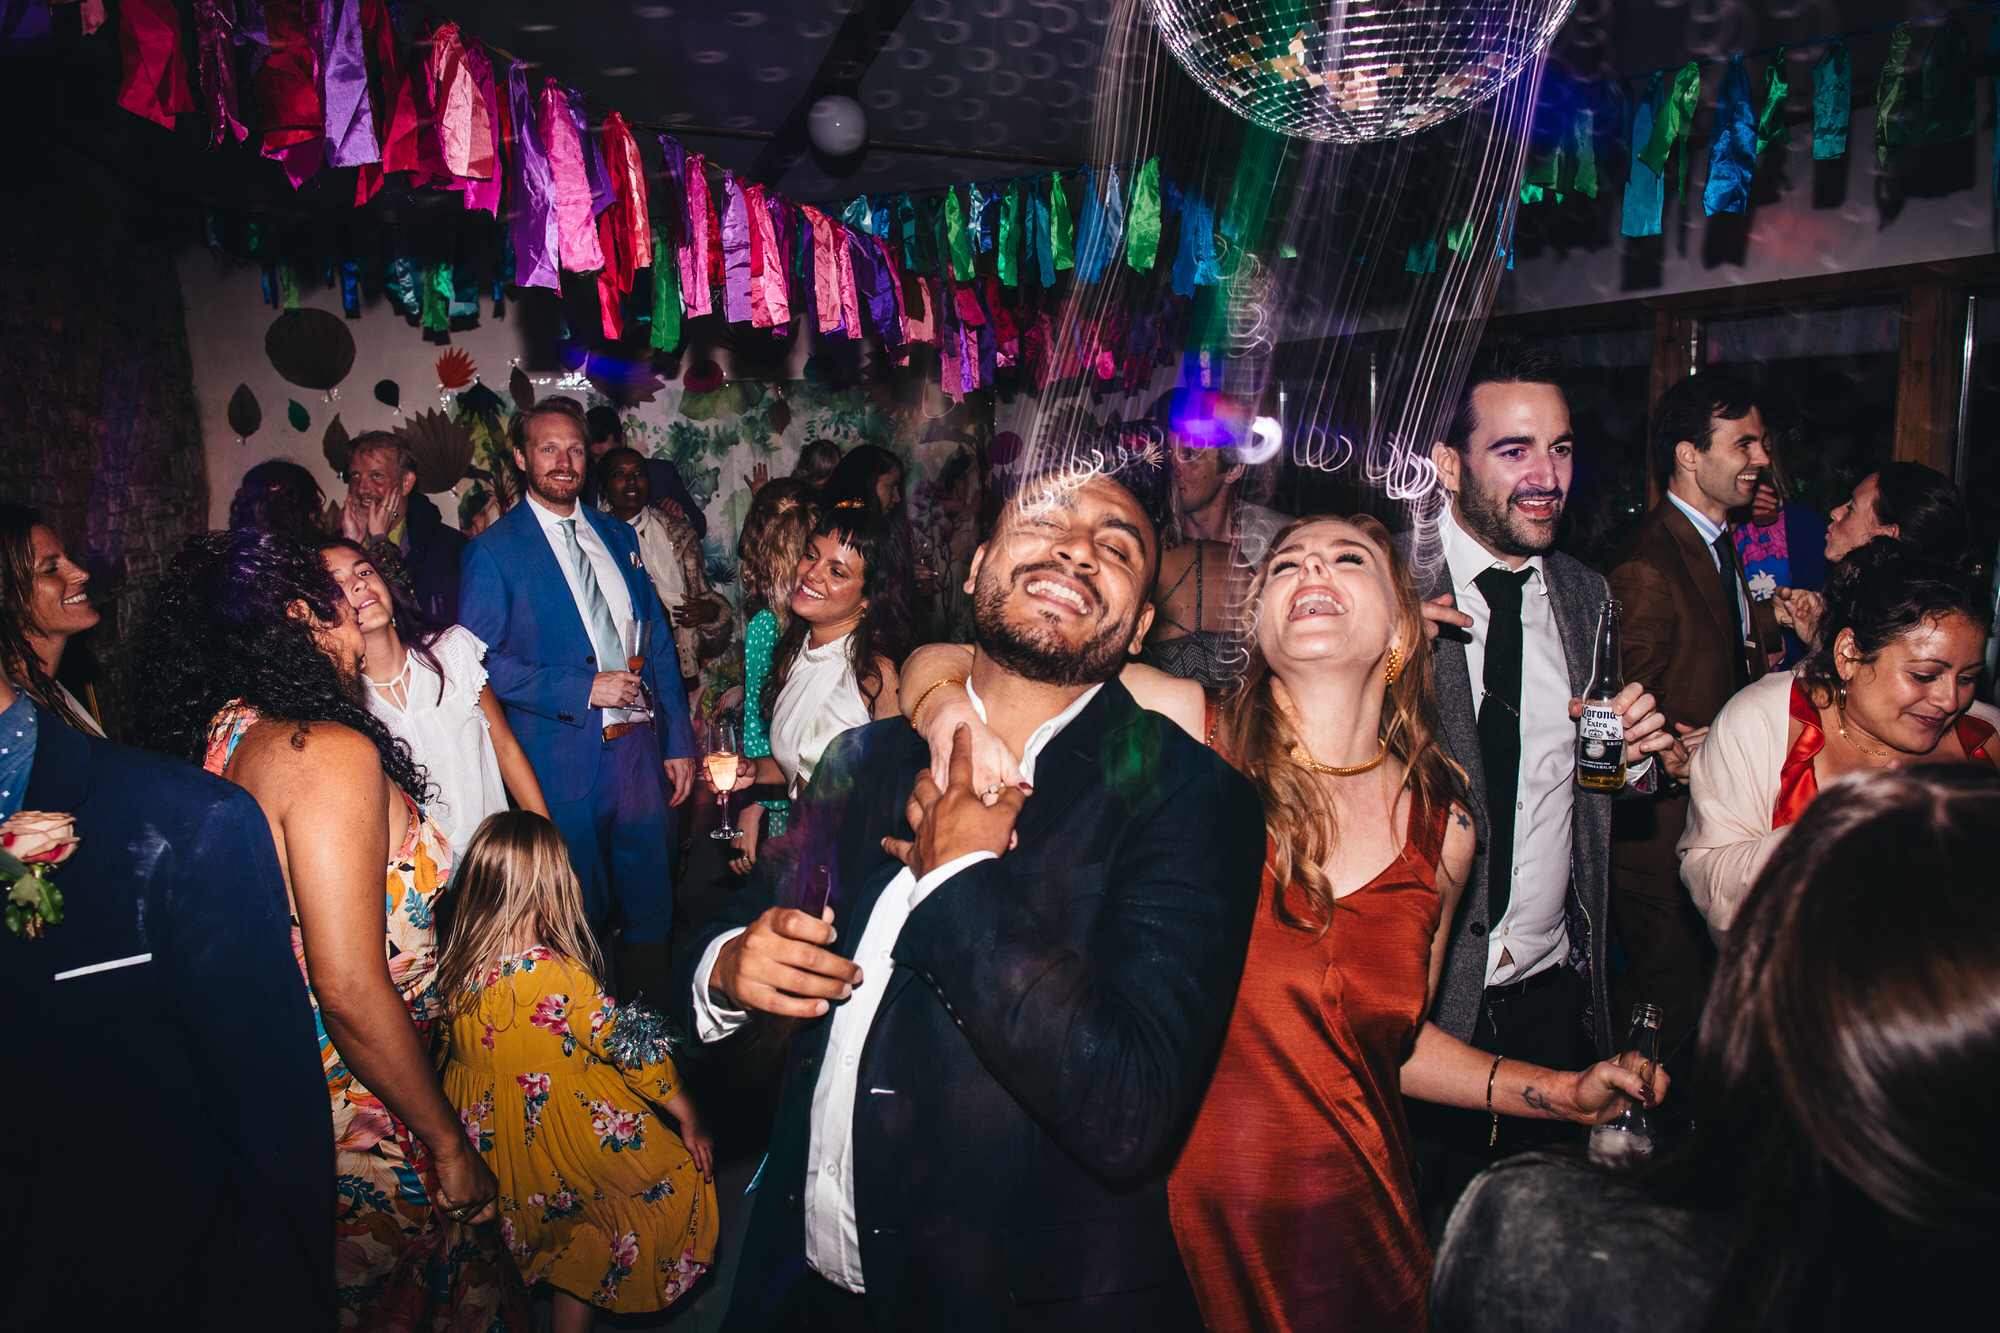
(558, 594)
(1690, 625)
(1525, 966)
(1000, 1027)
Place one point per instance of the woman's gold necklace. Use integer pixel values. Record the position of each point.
(1304, 760)
(1841, 713)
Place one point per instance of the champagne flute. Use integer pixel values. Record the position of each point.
(725, 751)
(633, 635)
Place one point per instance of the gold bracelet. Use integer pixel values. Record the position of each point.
(925, 697)
(1491, 1074)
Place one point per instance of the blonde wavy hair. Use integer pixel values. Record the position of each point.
(515, 870)
(1256, 735)
(775, 533)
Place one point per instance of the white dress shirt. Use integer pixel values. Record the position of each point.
(1533, 934)
(610, 582)
(833, 1236)
(1710, 530)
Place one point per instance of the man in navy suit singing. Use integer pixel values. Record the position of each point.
(170, 1146)
(1002, 1025)
(562, 601)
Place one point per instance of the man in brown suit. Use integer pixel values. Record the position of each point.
(1694, 635)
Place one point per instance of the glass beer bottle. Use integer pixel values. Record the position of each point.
(1630, 1134)
(1600, 738)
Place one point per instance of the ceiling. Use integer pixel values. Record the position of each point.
(1011, 78)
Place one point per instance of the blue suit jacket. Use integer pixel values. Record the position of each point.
(172, 1136)
(539, 658)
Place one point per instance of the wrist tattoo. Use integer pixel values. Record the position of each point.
(1538, 1102)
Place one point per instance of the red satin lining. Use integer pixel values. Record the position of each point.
(1796, 783)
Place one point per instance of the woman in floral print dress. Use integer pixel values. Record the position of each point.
(562, 1090)
(255, 674)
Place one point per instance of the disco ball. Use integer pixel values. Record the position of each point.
(1352, 71)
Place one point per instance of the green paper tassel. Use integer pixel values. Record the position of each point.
(1062, 227)
(666, 334)
(957, 237)
(1890, 88)
(1009, 257)
(1142, 226)
(1583, 145)
(1771, 127)
(288, 290)
(1671, 126)
(1950, 106)
(436, 297)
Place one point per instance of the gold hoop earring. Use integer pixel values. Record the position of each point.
(1394, 666)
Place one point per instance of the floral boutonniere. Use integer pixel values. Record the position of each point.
(32, 845)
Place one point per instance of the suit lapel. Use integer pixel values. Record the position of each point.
(1700, 563)
(1574, 622)
(541, 562)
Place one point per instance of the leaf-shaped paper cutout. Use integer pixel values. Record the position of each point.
(310, 347)
(388, 393)
(780, 416)
(520, 389)
(245, 416)
(296, 414)
(455, 370)
(334, 445)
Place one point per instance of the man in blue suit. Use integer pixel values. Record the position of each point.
(171, 1142)
(560, 597)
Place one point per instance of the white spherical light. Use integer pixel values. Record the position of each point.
(837, 125)
(1351, 71)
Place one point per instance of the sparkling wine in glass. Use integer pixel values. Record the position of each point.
(634, 636)
(725, 749)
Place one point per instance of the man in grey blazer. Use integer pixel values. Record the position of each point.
(1524, 971)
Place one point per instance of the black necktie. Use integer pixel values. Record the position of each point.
(1500, 729)
(1732, 580)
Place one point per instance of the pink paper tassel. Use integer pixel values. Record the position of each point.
(696, 298)
(576, 224)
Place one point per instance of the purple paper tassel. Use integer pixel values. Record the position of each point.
(871, 283)
(735, 252)
(670, 211)
(216, 52)
(603, 194)
(533, 223)
(343, 83)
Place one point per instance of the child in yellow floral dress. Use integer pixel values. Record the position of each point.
(562, 1088)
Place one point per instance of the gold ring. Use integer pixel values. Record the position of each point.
(995, 789)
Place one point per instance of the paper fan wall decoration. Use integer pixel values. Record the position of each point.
(310, 348)
(441, 447)
(455, 370)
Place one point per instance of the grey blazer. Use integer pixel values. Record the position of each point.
(1574, 593)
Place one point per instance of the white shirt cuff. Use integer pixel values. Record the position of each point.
(712, 1020)
(946, 871)
(1637, 768)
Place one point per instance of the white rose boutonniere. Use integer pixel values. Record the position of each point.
(32, 844)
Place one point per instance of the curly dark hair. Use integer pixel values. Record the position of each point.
(888, 627)
(278, 495)
(221, 629)
(1882, 591)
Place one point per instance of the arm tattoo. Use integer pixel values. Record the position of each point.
(1539, 1103)
(1463, 822)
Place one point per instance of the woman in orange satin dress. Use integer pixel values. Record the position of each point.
(1294, 1202)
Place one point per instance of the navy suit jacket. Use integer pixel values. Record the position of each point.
(170, 1155)
(539, 657)
(1045, 1039)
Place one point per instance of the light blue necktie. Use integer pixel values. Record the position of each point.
(596, 611)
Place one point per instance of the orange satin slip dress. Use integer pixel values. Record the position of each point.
(1294, 1201)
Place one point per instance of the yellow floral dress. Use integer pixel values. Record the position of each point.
(399, 1264)
(559, 1085)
